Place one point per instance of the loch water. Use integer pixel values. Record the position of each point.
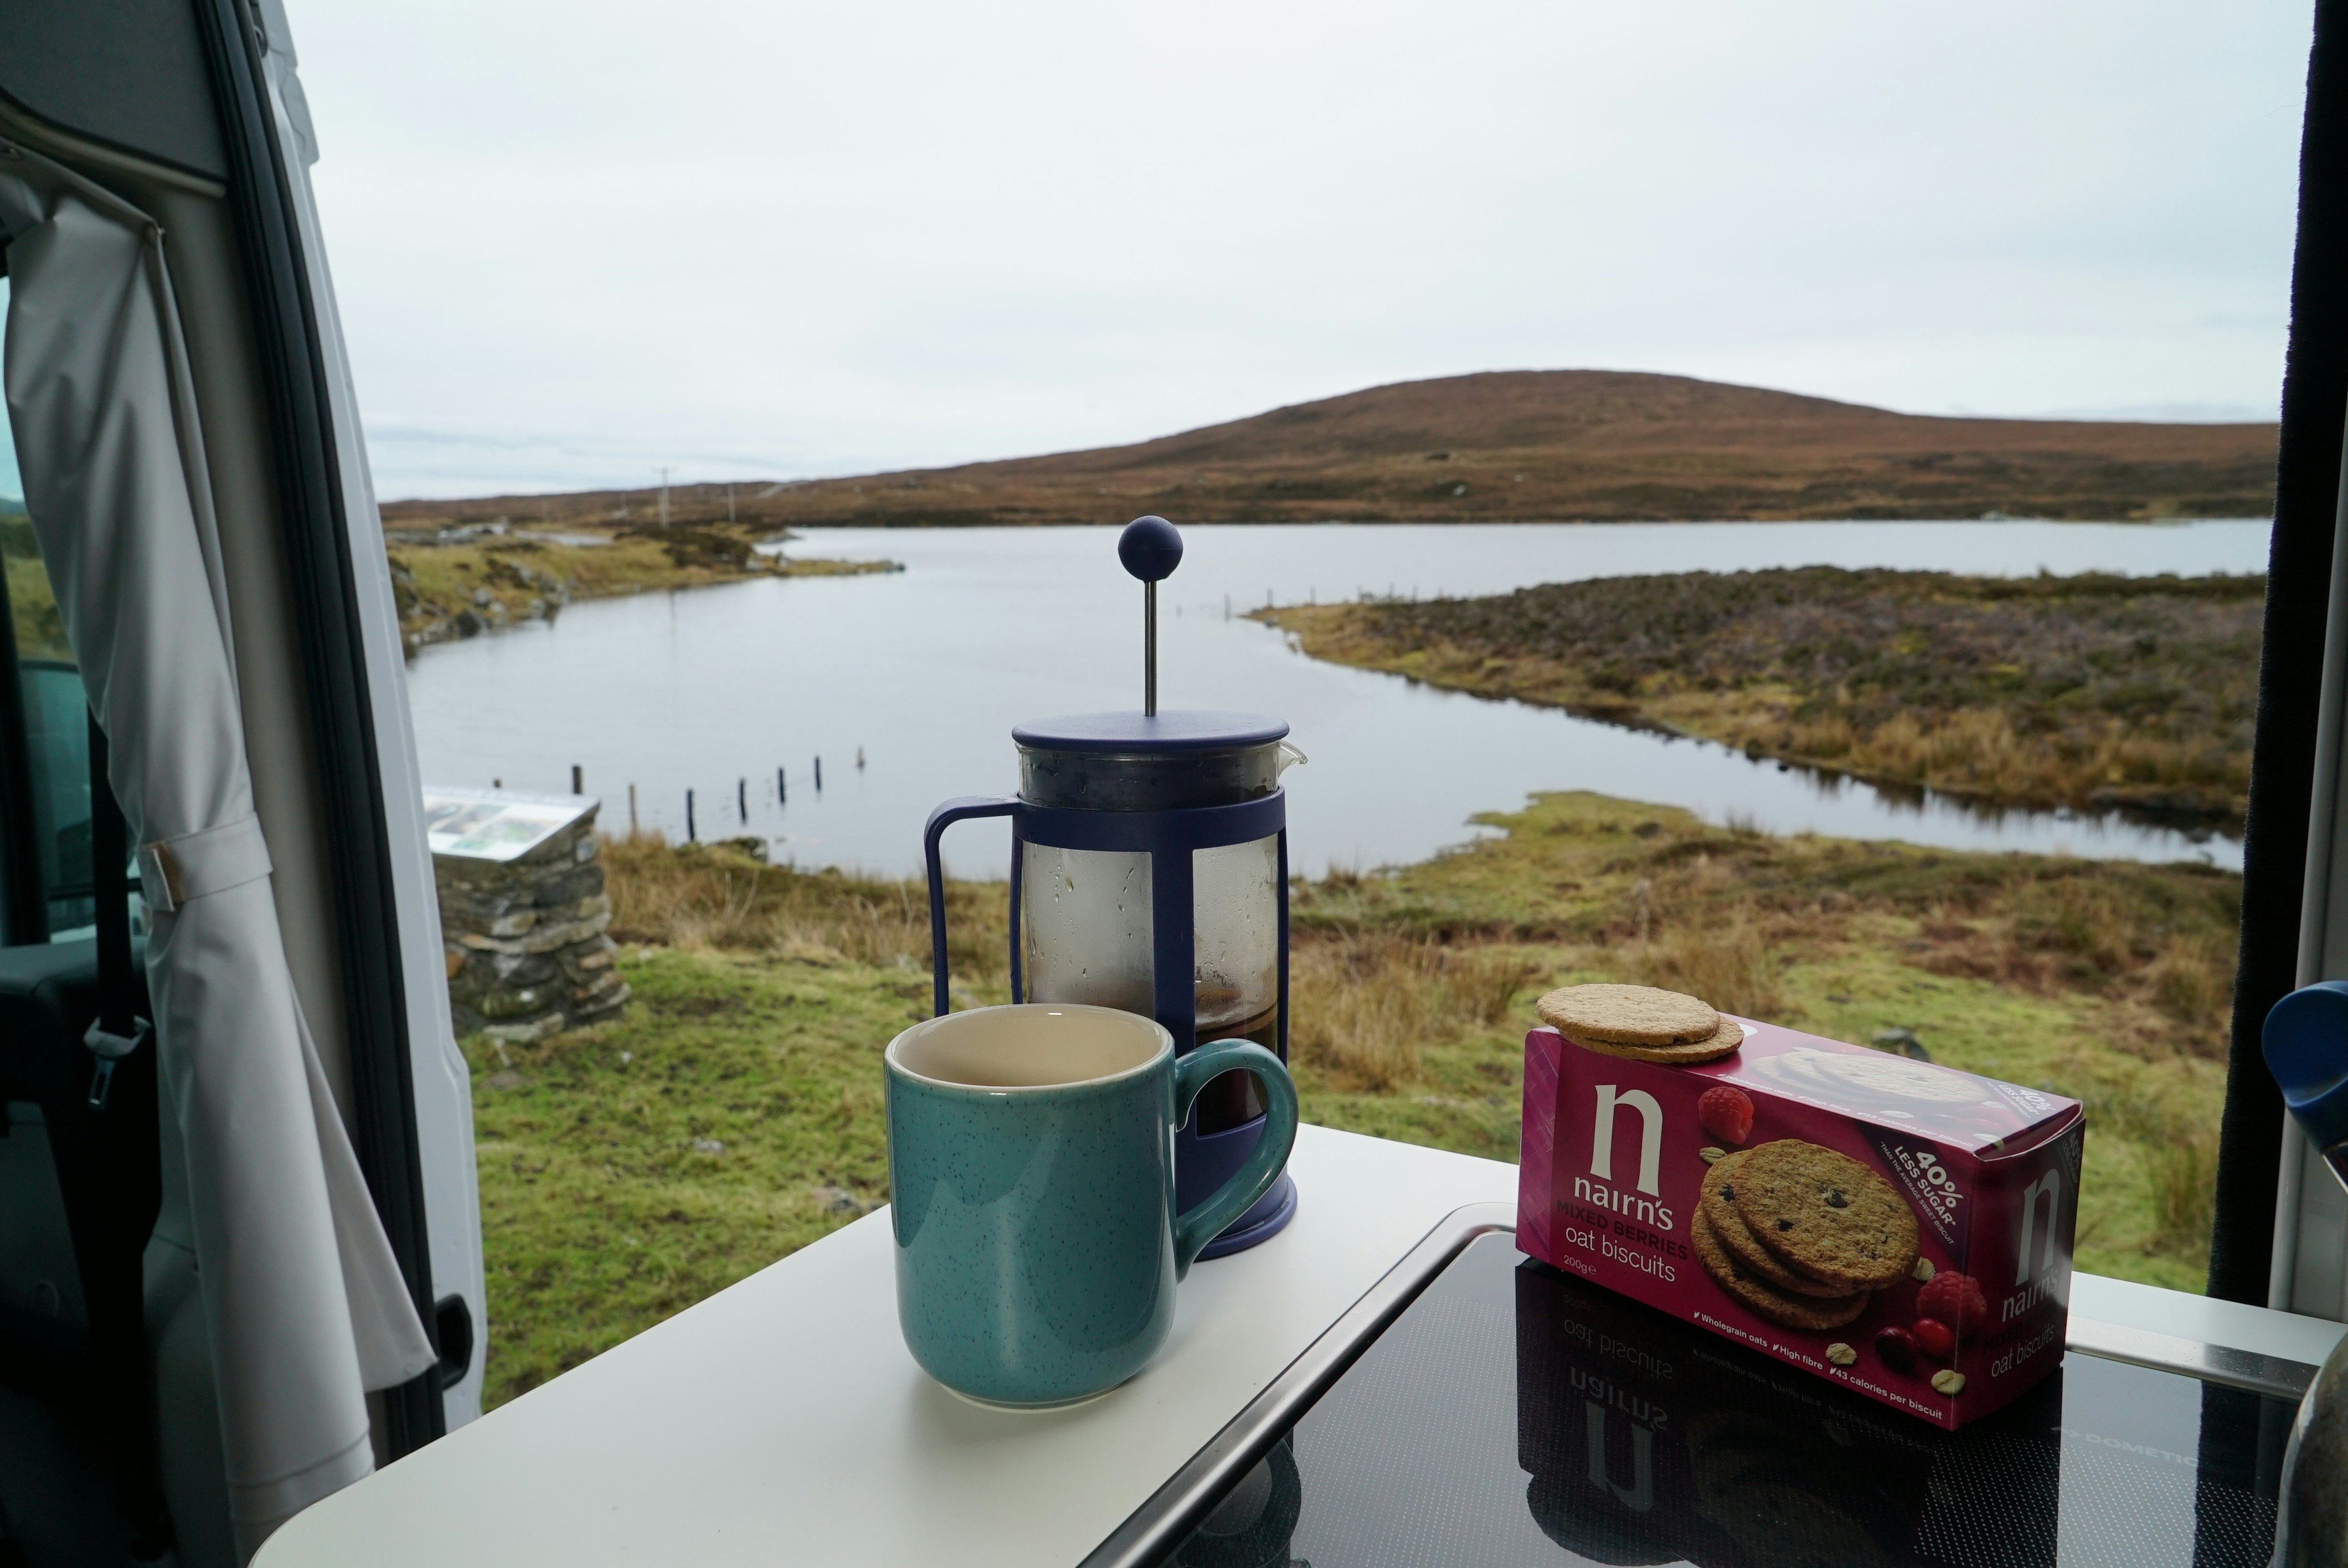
(924, 671)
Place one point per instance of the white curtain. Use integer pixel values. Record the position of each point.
(304, 1300)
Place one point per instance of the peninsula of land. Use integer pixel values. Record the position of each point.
(2092, 692)
(463, 579)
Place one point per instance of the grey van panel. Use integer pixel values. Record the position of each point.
(128, 73)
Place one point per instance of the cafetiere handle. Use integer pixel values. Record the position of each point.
(945, 816)
(1195, 1226)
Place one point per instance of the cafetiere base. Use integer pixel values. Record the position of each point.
(1267, 1219)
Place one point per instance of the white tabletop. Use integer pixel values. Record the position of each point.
(782, 1420)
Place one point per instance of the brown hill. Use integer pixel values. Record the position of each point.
(1561, 445)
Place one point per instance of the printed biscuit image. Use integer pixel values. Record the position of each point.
(1719, 1209)
(1826, 1214)
(1641, 1023)
(1780, 1307)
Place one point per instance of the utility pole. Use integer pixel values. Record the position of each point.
(665, 473)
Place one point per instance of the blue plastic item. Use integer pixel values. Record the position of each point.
(1193, 730)
(2305, 1042)
(1150, 549)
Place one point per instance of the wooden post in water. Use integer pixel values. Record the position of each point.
(688, 817)
(741, 799)
(782, 789)
(818, 776)
(578, 779)
(860, 759)
(632, 811)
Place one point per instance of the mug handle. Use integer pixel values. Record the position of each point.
(1195, 1227)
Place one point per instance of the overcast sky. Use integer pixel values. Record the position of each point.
(576, 239)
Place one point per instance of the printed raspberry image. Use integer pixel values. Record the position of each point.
(1727, 1113)
(1955, 1300)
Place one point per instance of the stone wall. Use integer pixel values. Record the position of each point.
(526, 951)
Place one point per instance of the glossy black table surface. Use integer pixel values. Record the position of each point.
(1512, 1415)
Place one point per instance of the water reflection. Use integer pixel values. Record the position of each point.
(719, 689)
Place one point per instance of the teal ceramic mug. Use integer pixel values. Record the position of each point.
(1031, 1169)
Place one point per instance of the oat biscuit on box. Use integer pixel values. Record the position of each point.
(1628, 1015)
(1781, 1306)
(1721, 1042)
(1727, 1228)
(1826, 1214)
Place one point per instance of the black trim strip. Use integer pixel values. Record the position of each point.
(326, 611)
(2290, 671)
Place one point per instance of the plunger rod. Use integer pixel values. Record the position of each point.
(1150, 549)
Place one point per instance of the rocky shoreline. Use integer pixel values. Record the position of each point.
(460, 582)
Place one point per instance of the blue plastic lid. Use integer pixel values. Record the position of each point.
(1172, 733)
(2305, 1042)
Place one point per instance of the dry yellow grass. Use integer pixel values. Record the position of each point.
(1723, 959)
(721, 897)
(1367, 1005)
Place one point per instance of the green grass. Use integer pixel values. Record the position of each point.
(601, 1212)
(764, 997)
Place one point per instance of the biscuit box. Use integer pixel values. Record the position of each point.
(1919, 1220)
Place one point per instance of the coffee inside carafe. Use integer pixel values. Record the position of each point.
(1223, 1014)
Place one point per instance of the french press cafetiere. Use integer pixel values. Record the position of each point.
(1149, 871)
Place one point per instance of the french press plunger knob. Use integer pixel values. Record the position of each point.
(1150, 548)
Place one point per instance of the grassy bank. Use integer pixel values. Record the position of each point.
(460, 588)
(734, 1114)
(2090, 690)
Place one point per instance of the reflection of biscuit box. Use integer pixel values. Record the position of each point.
(1648, 1440)
(1612, 1172)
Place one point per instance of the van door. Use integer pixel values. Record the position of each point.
(193, 113)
